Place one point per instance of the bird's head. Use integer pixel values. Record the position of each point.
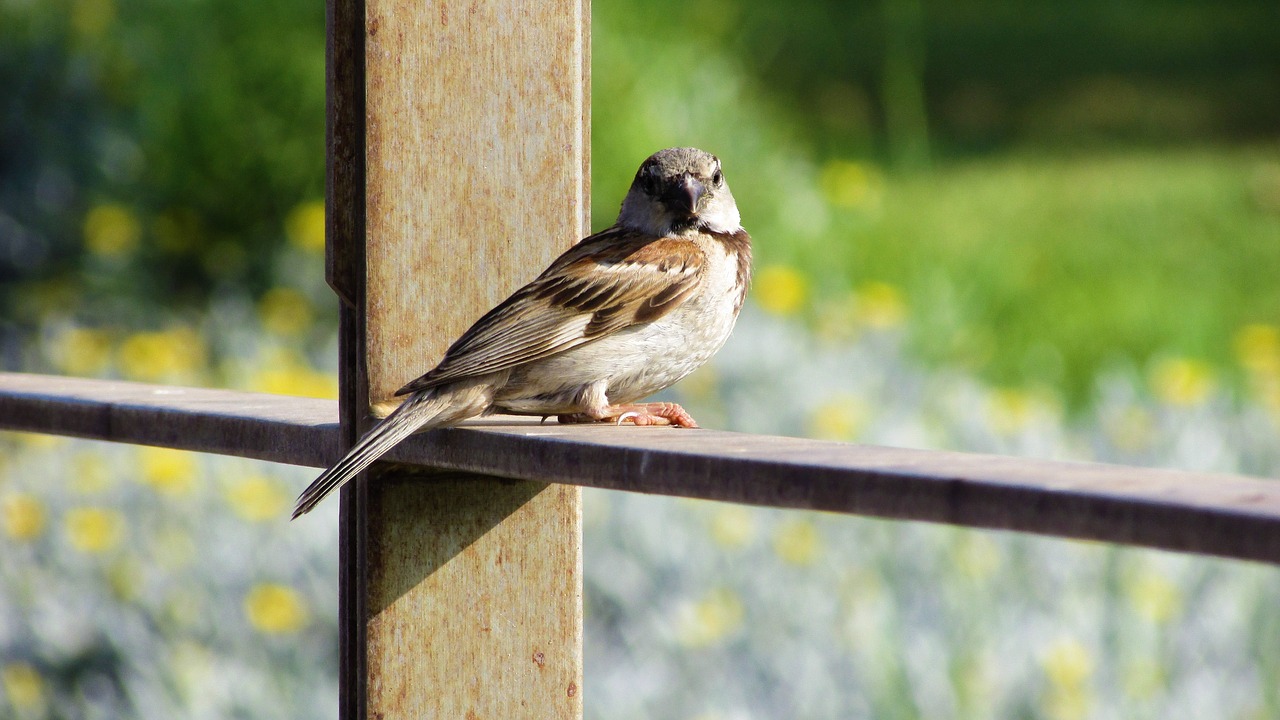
(680, 190)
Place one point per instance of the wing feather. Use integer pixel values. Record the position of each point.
(607, 282)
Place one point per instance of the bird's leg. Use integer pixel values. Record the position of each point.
(654, 413)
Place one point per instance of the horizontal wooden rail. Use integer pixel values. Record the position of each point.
(1224, 515)
(279, 428)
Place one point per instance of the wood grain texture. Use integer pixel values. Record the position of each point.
(1226, 515)
(476, 167)
(489, 592)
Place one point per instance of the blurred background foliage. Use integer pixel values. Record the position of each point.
(1052, 189)
(1037, 228)
(151, 156)
(1049, 190)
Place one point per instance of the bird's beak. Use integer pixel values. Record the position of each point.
(684, 197)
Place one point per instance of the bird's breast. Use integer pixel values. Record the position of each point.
(640, 360)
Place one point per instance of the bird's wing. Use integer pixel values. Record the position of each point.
(605, 283)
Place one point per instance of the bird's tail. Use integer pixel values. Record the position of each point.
(421, 410)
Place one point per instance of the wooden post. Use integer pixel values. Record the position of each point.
(458, 169)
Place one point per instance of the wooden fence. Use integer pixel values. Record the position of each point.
(458, 157)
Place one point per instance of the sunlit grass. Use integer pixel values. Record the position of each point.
(1030, 267)
(1035, 269)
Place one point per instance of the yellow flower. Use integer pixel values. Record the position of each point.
(1182, 381)
(780, 289)
(297, 381)
(172, 472)
(305, 226)
(733, 526)
(840, 418)
(275, 609)
(111, 230)
(797, 542)
(710, 619)
(1011, 410)
(37, 441)
(285, 372)
(1068, 667)
(94, 529)
(1067, 663)
(24, 516)
(880, 305)
(165, 355)
(257, 498)
(285, 311)
(1153, 596)
(82, 351)
(851, 184)
(23, 686)
(1258, 348)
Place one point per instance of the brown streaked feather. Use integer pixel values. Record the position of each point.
(605, 283)
(739, 244)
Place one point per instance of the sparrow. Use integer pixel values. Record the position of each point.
(619, 316)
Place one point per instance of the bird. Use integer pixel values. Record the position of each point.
(619, 316)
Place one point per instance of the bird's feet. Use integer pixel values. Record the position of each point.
(654, 413)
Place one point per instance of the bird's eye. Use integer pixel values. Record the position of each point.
(717, 177)
(652, 182)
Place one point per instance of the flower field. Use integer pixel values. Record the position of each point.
(1050, 230)
(151, 583)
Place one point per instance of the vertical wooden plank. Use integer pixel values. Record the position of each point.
(475, 177)
(477, 165)
(474, 599)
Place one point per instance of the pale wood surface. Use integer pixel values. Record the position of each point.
(500, 553)
(476, 157)
(1226, 515)
(477, 165)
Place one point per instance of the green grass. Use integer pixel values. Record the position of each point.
(1027, 266)
(1044, 270)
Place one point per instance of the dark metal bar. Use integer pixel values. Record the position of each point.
(1225, 515)
(298, 431)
